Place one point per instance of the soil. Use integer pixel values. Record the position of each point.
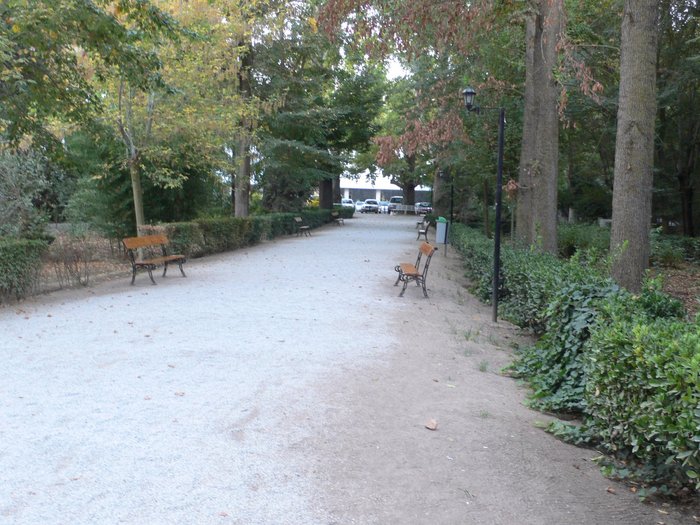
(286, 383)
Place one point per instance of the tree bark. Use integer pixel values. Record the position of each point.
(241, 187)
(539, 159)
(241, 181)
(634, 146)
(325, 194)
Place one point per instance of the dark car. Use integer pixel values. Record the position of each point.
(423, 207)
(370, 206)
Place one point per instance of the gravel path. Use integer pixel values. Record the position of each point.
(283, 384)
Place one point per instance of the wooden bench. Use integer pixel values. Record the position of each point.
(301, 227)
(148, 253)
(337, 219)
(424, 226)
(412, 272)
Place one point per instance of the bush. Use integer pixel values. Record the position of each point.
(555, 365)
(627, 363)
(572, 238)
(643, 392)
(20, 264)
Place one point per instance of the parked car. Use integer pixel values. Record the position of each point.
(393, 201)
(358, 205)
(347, 203)
(423, 207)
(370, 206)
(383, 206)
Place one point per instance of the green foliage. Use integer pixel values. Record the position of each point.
(20, 263)
(643, 392)
(42, 76)
(219, 234)
(572, 238)
(666, 250)
(21, 184)
(628, 364)
(555, 364)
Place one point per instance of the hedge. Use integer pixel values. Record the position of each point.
(20, 264)
(627, 365)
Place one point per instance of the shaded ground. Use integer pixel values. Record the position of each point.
(284, 384)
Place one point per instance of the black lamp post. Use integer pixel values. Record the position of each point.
(469, 96)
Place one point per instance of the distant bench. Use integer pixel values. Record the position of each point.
(156, 249)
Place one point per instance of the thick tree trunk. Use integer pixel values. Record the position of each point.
(539, 168)
(325, 194)
(523, 217)
(634, 147)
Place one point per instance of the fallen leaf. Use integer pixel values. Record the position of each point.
(661, 511)
(431, 424)
(179, 394)
(611, 490)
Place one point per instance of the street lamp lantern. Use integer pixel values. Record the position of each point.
(469, 96)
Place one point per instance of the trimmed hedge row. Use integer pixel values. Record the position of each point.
(20, 264)
(629, 365)
(21, 260)
(220, 234)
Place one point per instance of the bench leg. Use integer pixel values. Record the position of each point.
(150, 274)
(405, 284)
(425, 291)
(181, 270)
(133, 275)
(165, 269)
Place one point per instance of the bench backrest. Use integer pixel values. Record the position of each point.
(133, 243)
(298, 220)
(427, 250)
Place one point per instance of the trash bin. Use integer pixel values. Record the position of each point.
(441, 228)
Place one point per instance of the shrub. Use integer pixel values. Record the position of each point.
(555, 365)
(20, 264)
(643, 392)
(573, 238)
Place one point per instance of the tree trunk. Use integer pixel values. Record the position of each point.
(241, 182)
(325, 194)
(241, 187)
(137, 192)
(539, 160)
(634, 146)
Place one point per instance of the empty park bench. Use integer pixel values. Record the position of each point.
(302, 228)
(337, 219)
(423, 228)
(412, 272)
(149, 252)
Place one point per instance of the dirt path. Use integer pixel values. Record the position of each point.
(283, 384)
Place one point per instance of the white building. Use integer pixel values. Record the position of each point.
(380, 189)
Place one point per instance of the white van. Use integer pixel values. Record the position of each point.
(394, 201)
(347, 203)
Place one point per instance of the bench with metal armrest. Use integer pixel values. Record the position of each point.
(149, 252)
(413, 272)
